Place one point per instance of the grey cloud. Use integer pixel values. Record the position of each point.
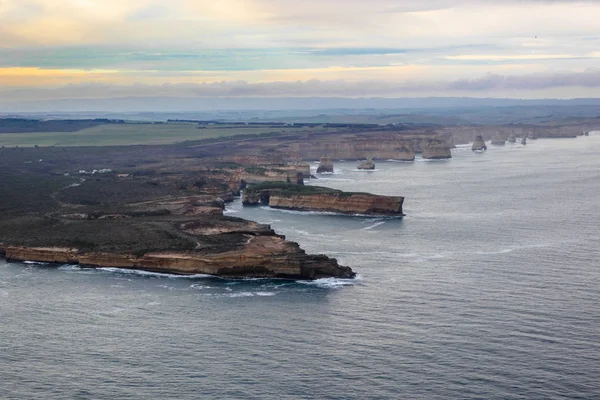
(589, 78)
(489, 84)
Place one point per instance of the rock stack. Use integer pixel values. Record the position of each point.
(479, 144)
(436, 149)
(369, 164)
(325, 165)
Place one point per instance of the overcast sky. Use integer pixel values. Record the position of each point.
(390, 48)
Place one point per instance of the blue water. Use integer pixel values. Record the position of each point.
(489, 288)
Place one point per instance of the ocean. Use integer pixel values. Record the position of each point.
(489, 288)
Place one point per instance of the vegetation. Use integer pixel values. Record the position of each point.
(118, 134)
(292, 189)
(22, 125)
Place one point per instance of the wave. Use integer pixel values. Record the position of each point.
(126, 271)
(375, 225)
(333, 283)
(399, 161)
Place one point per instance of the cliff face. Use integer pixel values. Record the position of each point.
(355, 147)
(436, 149)
(263, 256)
(325, 165)
(365, 204)
(316, 198)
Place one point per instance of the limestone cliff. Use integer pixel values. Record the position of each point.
(479, 144)
(262, 256)
(325, 165)
(316, 198)
(363, 204)
(436, 149)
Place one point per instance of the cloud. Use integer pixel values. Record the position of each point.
(278, 45)
(487, 85)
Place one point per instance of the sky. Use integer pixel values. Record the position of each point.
(55, 49)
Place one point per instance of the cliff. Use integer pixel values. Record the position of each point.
(436, 149)
(325, 165)
(316, 198)
(154, 225)
(498, 140)
(479, 144)
(260, 257)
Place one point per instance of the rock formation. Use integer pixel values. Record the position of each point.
(369, 164)
(325, 165)
(512, 138)
(316, 198)
(260, 256)
(404, 153)
(436, 149)
(479, 144)
(524, 140)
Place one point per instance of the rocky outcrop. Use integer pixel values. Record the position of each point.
(316, 198)
(479, 144)
(325, 165)
(368, 165)
(436, 149)
(363, 204)
(262, 256)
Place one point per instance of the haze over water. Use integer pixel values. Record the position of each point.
(488, 289)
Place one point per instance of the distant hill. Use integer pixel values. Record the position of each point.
(23, 125)
(180, 104)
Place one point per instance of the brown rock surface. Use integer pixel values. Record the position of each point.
(268, 256)
(325, 165)
(363, 204)
(316, 198)
(479, 144)
(369, 164)
(436, 149)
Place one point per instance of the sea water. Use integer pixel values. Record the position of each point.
(489, 288)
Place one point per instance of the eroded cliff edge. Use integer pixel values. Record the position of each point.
(316, 198)
(146, 225)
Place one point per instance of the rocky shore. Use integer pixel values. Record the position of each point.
(259, 257)
(171, 223)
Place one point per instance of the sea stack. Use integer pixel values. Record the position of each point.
(436, 149)
(479, 144)
(325, 165)
(369, 165)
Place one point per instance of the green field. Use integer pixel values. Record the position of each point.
(133, 133)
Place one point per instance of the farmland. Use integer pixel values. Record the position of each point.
(136, 133)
